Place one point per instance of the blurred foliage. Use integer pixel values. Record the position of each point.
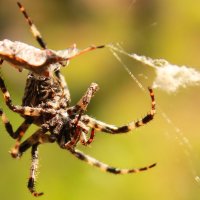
(157, 28)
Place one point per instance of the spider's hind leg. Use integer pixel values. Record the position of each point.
(33, 142)
(104, 167)
(33, 171)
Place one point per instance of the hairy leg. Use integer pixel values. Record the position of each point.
(33, 171)
(104, 167)
(112, 129)
(33, 28)
(39, 137)
(18, 134)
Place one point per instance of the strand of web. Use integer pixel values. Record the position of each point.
(182, 140)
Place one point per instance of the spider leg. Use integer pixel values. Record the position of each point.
(36, 33)
(18, 134)
(104, 167)
(101, 126)
(33, 28)
(33, 171)
(86, 98)
(40, 40)
(82, 104)
(39, 137)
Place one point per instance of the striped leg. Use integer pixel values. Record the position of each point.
(33, 171)
(37, 35)
(40, 40)
(33, 141)
(33, 28)
(18, 134)
(104, 167)
(39, 137)
(22, 129)
(101, 126)
(82, 104)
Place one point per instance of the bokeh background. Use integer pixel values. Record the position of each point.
(157, 28)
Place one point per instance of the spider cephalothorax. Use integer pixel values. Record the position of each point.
(46, 103)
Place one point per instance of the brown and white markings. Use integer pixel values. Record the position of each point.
(46, 103)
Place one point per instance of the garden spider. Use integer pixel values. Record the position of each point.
(46, 103)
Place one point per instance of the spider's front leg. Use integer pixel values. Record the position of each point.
(107, 128)
(82, 104)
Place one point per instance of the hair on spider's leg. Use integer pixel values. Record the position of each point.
(33, 141)
(104, 167)
(33, 28)
(33, 171)
(107, 128)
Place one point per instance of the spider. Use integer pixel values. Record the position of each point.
(46, 103)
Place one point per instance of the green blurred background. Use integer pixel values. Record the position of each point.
(157, 28)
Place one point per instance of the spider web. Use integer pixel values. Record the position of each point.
(169, 78)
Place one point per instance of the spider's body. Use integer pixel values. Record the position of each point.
(46, 103)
